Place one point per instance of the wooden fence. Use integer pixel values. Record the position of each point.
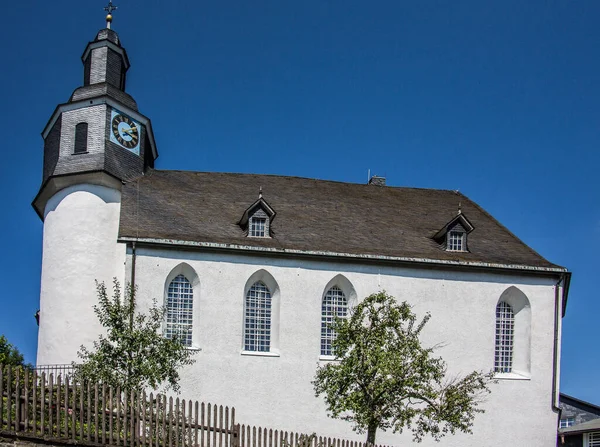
(56, 408)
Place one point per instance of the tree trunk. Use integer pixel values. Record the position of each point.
(371, 433)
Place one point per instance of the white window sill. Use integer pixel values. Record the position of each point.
(512, 376)
(328, 358)
(194, 348)
(260, 353)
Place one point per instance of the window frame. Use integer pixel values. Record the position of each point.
(80, 142)
(263, 319)
(184, 295)
(568, 422)
(328, 335)
(456, 244)
(504, 338)
(256, 230)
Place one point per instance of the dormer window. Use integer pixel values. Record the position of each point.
(257, 227)
(456, 241)
(257, 219)
(453, 236)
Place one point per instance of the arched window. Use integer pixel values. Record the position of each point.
(179, 304)
(257, 324)
(505, 335)
(334, 305)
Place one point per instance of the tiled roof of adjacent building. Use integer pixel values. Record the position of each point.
(314, 215)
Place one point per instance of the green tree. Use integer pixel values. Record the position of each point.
(133, 355)
(385, 379)
(9, 354)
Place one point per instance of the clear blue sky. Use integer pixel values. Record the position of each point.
(499, 99)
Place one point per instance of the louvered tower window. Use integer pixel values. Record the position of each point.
(257, 324)
(81, 136)
(334, 305)
(180, 302)
(505, 333)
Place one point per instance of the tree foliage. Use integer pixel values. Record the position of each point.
(133, 355)
(9, 354)
(385, 379)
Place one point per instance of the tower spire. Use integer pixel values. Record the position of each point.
(110, 8)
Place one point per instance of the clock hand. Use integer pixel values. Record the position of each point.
(128, 131)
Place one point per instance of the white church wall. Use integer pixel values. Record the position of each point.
(275, 391)
(79, 246)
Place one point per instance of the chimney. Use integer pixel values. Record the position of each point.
(377, 181)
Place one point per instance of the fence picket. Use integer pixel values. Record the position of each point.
(196, 423)
(190, 433)
(208, 416)
(177, 420)
(125, 399)
(202, 425)
(118, 418)
(170, 422)
(132, 416)
(220, 425)
(157, 421)
(42, 403)
(228, 434)
(72, 409)
(50, 395)
(26, 400)
(143, 423)
(17, 400)
(214, 425)
(164, 428)
(58, 404)
(111, 413)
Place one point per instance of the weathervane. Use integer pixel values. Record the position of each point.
(110, 8)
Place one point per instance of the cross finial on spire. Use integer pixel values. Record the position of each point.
(110, 8)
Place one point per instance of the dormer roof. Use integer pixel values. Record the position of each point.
(261, 203)
(459, 219)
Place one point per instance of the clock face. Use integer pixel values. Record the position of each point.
(125, 131)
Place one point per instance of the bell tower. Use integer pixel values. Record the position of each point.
(93, 144)
(97, 136)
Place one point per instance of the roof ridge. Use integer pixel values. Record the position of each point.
(303, 178)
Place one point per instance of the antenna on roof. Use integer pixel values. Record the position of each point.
(368, 175)
(260, 192)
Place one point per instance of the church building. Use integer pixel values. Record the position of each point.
(253, 268)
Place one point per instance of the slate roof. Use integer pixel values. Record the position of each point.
(314, 215)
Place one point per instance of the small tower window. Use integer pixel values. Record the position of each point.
(81, 136)
(456, 241)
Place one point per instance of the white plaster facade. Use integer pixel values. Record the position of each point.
(80, 246)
